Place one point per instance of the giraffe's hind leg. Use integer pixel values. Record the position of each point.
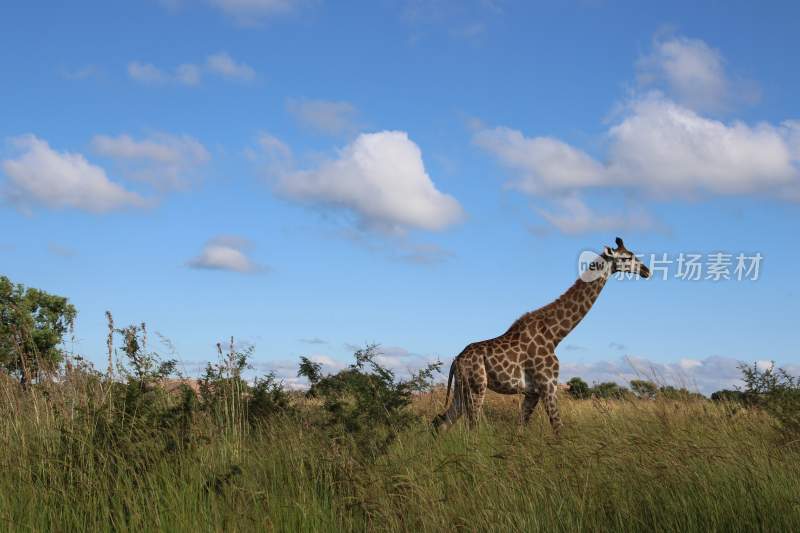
(469, 390)
(529, 404)
(475, 392)
(453, 412)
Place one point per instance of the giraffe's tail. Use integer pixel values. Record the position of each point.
(450, 380)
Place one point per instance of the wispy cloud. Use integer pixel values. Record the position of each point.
(255, 12)
(220, 64)
(324, 116)
(80, 73)
(224, 65)
(313, 340)
(164, 160)
(693, 73)
(60, 250)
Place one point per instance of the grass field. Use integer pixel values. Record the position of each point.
(628, 465)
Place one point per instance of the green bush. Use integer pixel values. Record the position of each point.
(776, 392)
(366, 405)
(643, 389)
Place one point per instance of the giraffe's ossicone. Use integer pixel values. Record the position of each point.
(523, 360)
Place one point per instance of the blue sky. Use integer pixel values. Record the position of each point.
(307, 176)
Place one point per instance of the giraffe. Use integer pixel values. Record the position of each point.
(522, 360)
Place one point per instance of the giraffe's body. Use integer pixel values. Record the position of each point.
(522, 360)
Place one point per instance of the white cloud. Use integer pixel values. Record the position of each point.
(224, 65)
(225, 253)
(691, 70)
(574, 217)
(41, 175)
(542, 164)
(220, 64)
(381, 179)
(274, 155)
(659, 146)
(161, 159)
(688, 364)
(671, 150)
(328, 117)
(250, 12)
(662, 148)
(188, 74)
(146, 73)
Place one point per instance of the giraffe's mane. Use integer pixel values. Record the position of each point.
(545, 308)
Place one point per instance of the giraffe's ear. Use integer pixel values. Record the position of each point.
(619, 242)
(607, 251)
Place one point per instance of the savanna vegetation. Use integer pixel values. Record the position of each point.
(136, 447)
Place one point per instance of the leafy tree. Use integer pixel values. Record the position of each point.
(609, 390)
(578, 388)
(673, 393)
(643, 389)
(32, 325)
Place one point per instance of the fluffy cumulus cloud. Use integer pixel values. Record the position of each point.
(220, 64)
(659, 146)
(43, 176)
(381, 179)
(226, 253)
(328, 117)
(166, 161)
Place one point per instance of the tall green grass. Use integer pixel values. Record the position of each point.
(633, 465)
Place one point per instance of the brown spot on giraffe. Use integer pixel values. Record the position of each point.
(522, 360)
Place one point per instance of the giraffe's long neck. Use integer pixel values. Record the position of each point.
(569, 309)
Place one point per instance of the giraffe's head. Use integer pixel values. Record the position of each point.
(623, 260)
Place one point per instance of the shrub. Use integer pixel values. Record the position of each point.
(726, 395)
(366, 404)
(776, 392)
(643, 389)
(228, 397)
